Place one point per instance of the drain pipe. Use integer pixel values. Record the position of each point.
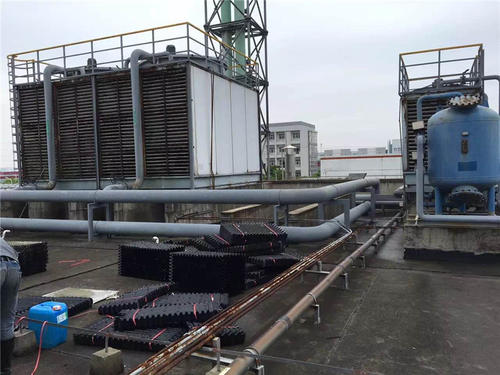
(423, 98)
(135, 82)
(241, 364)
(466, 219)
(50, 131)
(295, 234)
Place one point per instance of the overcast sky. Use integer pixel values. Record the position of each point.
(331, 63)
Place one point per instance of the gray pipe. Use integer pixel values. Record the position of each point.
(49, 121)
(295, 234)
(135, 81)
(247, 196)
(241, 364)
(433, 96)
(468, 219)
(325, 230)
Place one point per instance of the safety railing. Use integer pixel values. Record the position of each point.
(114, 50)
(435, 67)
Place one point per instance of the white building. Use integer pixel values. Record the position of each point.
(303, 136)
(381, 166)
(394, 146)
(353, 152)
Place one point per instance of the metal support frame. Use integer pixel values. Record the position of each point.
(373, 202)
(90, 216)
(250, 23)
(276, 214)
(321, 211)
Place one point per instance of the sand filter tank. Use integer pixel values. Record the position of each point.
(464, 154)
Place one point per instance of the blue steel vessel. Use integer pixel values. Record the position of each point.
(464, 154)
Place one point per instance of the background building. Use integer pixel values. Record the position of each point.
(374, 161)
(303, 136)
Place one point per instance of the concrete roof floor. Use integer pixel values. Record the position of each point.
(397, 317)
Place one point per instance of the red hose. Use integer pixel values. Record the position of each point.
(39, 348)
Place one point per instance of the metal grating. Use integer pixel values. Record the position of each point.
(429, 107)
(75, 129)
(33, 136)
(165, 120)
(115, 126)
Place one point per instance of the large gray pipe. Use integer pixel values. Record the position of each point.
(135, 81)
(423, 98)
(468, 219)
(243, 196)
(295, 234)
(50, 131)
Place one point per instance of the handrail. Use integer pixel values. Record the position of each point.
(480, 45)
(133, 33)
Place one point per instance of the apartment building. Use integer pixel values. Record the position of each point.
(303, 136)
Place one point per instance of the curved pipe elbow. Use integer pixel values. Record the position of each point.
(122, 186)
(49, 110)
(433, 96)
(135, 81)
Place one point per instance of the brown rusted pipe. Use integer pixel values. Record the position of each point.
(241, 364)
(182, 348)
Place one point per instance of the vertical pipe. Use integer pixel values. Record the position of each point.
(438, 202)
(49, 123)
(90, 221)
(206, 29)
(347, 212)
(225, 15)
(64, 61)
(439, 68)
(239, 42)
(492, 200)
(373, 201)
(38, 64)
(190, 126)
(276, 215)
(121, 50)
(96, 133)
(321, 211)
(187, 41)
(135, 80)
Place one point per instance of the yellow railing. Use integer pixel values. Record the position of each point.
(479, 45)
(152, 29)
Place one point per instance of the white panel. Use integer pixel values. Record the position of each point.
(373, 166)
(200, 89)
(236, 133)
(238, 118)
(252, 125)
(223, 145)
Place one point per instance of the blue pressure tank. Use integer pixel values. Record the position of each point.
(464, 150)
